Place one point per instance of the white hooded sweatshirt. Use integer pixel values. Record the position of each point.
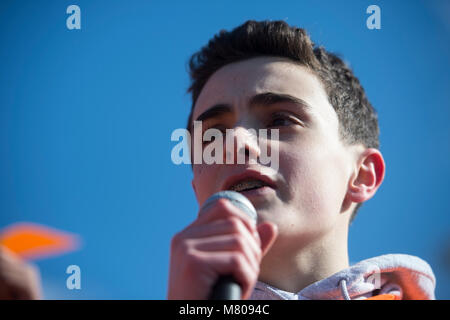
(389, 277)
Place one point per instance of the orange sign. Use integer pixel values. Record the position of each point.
(31, 241)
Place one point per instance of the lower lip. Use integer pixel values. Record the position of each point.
(258, 192)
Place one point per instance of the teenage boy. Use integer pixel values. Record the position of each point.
(269, 75)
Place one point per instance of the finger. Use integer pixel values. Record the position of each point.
(222, 209)
(236, 243)
(235, 232)
(229, 225)
(7, 256)
(268, 232)
(20, 284)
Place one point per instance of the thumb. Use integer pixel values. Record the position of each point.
(268, 232)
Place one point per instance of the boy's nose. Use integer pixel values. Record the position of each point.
(241, 146)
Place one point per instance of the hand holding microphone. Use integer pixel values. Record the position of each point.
(226, 287)
(218, 255)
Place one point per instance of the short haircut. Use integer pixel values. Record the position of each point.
(358, 121)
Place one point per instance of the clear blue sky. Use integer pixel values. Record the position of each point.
(86, 117)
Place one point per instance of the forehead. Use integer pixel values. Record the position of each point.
(236, 83)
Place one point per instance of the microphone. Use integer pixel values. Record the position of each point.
(226, 287)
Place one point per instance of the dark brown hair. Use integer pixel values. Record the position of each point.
(357, 118)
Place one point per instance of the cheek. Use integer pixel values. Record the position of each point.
(205, 180)
(316, 182)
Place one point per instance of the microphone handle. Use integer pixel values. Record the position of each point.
(226, 288)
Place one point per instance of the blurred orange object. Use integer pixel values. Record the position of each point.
(31, 241)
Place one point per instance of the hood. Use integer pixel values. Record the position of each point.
(398, 276)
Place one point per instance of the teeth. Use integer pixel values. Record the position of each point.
(246, 185)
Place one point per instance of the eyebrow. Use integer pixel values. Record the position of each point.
(265, 99)
(270, 98)
(215, 111)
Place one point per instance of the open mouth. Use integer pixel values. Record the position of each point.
(251, 183)
(247, 185)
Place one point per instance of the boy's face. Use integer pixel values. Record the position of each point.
(314, 164)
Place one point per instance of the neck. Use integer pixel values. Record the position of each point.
(292, 269)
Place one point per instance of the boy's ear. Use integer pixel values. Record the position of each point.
(368, 176)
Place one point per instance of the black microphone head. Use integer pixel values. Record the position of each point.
(236, 199)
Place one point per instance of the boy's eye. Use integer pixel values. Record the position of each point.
(219, 127)
(281, 120)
